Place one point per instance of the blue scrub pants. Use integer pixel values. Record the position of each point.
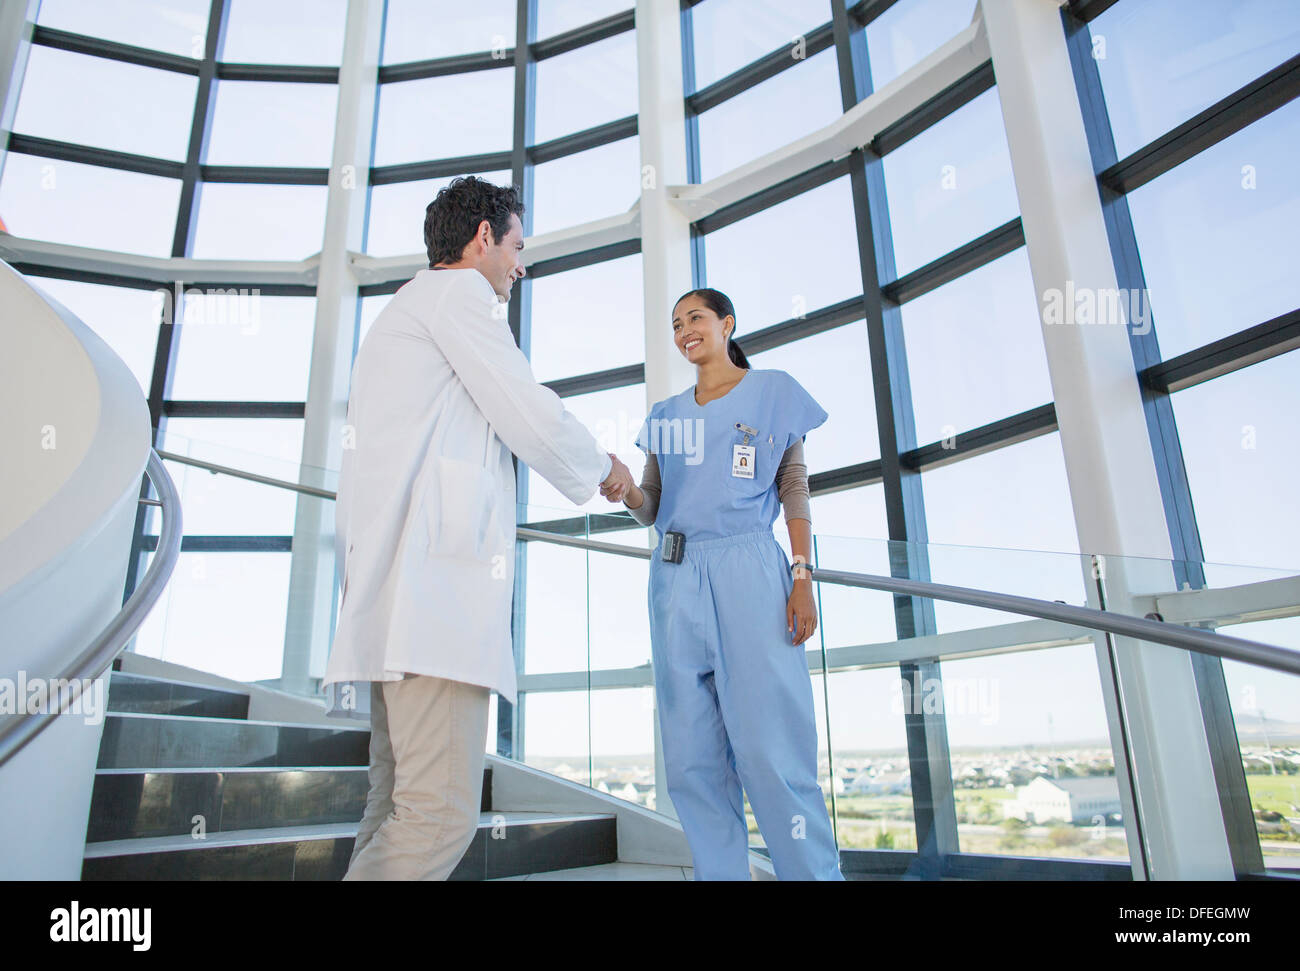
(736, 709)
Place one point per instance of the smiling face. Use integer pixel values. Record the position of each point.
(699, 333)
(499, 262)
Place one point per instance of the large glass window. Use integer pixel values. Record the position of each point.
(223, 505)
(622, 744)
(788, 260)
(238, 345)
(88, 205)
(587, 319)
(277, 31)
(975, 350)
(856, 512)
(445, 117)
(557, 16)
(194, 625)
(1163, 61)
(1263, 702)
(1033, 770)
(911, 30)
(555, 619)
(950, 184)
(417, 30)
(780, 110)
(847, 528)
(106, 104)
(174, 26)
(1240, 447)
(872, 780)
(559, 733)
(731, 33)
(272, 123)
(602, 181)
(620, 638)
(1216, 233)
(1016, 496)
(259, 222)
(586, 87)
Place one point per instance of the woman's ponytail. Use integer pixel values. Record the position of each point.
(736, 354)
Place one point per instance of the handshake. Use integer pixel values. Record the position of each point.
(616, 485)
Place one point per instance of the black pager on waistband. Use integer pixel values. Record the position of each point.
(673, 546)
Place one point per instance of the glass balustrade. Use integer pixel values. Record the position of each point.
(989, 731)
(1259, 763)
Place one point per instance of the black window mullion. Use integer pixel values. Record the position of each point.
(699, 273)
(204, 104)
(186, 214)
(927, 743)
(520, 317)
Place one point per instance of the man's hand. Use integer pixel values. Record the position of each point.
(615, 487)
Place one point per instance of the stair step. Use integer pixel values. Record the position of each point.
(506, 844)
(143, 741)
(138, 803)
(161, 696)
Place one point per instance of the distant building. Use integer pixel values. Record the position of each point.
(1074, 800)
(883, 784)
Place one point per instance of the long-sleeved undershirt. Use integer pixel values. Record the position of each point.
(791, 487)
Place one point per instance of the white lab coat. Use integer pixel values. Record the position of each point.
(425, 516)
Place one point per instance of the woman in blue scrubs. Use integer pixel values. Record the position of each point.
(727, 617)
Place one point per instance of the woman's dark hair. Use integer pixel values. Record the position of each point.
(720, 304)
(453, 218)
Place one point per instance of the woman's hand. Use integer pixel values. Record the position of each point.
(801, 612)
(615, 487)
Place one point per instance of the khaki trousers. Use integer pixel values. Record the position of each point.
(427, 740)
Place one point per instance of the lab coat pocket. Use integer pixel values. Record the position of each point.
(461, 513)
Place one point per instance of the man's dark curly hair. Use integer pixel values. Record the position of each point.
(453, 218)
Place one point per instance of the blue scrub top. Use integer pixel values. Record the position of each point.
(694, 447)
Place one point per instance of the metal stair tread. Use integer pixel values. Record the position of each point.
(207, 769)
(128, 676)
(191, 719)
(294, 834)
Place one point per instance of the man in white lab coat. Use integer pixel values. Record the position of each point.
(441, 395)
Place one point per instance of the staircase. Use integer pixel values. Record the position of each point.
(188, 788)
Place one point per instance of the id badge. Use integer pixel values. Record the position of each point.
(742, 461)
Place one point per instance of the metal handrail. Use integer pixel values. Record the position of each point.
(250, 476)
(104, 649)
(1222, 646)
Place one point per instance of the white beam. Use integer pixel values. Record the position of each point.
(1108, 456)
(1015, 637)
(1222, 606)
(16, 249)
(310, 616)
(665, 228)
